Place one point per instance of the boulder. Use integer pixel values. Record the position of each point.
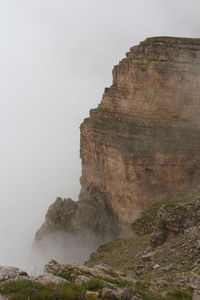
(174, 220)
(49, 278)
(81, 279)
(110, 294)
(12, 273)
(92, 294)
(196, 295)
(127, 294)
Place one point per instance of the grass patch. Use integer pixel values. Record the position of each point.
(110, 272)
(26, 289)
(120, 282)
(142, 289)
(93, 284)
(119, 253)
(179, 294)
(66, 275)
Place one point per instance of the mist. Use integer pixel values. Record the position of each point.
(56, 58)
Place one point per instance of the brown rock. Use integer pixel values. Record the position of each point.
(93, 294)
(110, 294)
(141, 145)
(59, 214)
(156, 266)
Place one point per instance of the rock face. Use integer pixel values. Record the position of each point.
(91, 220)
(172, 221)
(141, 145)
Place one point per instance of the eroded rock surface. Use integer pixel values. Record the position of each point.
(141, 145)
(172, 221)
(90, 220)
(11, 273)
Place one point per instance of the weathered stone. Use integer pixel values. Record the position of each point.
(49, 278)
(148, 256)
(172, 221)
(168, 268)
(156, 266)
(53, 267)
(136, 297)
(127, 294)
(60, 213)
(81, 279)
(196, 295)
(12, 273)
(92, 293)
(82, 274)
(110, 294)
(194, 280)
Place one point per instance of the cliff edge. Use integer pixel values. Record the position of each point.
(141, 145)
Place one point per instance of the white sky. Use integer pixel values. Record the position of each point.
(56, 58)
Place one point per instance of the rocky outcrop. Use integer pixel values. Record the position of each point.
(11, 273)
(90, 220)
(141, 145)
(172, 221)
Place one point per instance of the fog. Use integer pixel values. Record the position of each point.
(56, 58)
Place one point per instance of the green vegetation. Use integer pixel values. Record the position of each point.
(118, 281)
(119, 253)
(26, 289)
(142, 289)
(147, 222)
(110, 272)
(179, 294)
(66, 275)
(93, 284)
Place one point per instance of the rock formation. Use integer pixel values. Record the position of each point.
(173, 221)
(141, 145)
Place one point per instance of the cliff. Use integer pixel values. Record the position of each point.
(141, 145)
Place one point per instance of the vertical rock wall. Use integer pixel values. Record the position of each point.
(142, 143)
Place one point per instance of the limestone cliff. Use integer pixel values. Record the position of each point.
(141, 145)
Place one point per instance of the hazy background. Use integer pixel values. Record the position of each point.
(56, 58)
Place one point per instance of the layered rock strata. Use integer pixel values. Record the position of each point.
(142, 144)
